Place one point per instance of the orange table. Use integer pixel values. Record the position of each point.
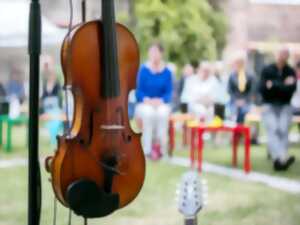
(237, 132)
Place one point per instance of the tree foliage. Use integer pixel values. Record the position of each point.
(189, 30)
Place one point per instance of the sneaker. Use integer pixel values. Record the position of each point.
(280, 166)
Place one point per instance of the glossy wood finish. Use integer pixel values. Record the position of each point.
(83, 152)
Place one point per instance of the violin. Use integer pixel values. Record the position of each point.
(99, 165)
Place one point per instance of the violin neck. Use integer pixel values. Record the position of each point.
(110, 79)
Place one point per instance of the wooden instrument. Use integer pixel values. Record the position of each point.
(192, 196)
(99, 165)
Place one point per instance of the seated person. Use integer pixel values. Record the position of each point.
(15, 86)
(198, 93)
(240, 88)
(2, 92)
(187, 71)
(3, 101)
(51, 103)
(154, 94)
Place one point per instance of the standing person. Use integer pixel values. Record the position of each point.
(154, 95)
(277, 86)
(240, 88)
(198, 93)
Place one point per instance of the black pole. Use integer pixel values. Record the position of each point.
(34, 176)
(83, 10)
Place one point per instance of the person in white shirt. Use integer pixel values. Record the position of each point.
(199, 93)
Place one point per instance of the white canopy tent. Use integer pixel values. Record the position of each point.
(14, 17)
(14, 22)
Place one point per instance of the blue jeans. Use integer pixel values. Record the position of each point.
(240, 112)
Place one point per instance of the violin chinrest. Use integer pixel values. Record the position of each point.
(86, 199)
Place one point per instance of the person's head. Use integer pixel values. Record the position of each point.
(239, 62)
(282, 56)
(188, 70)
(204, 70)
(16, 74)
(219, 67)
(49, 69)
(155, 53)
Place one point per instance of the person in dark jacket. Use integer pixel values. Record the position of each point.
(240, 88)
(277, 86)
(2, 92)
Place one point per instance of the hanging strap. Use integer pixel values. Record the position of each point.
(55, 210)
(70, 217)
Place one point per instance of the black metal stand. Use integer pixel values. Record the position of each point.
(83, 10)
(34, 176)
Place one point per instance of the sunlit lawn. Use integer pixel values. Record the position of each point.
(230, 202)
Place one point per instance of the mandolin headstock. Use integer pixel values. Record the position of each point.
(192, 194)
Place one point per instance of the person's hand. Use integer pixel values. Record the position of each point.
(240, 102)
(289, 81)
(205, 100)
(156, 101)
(153, 101)
(147, 100)
(269, 84)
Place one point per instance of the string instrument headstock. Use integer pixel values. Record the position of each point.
(192, 194)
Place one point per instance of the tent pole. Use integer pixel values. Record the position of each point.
(34, 176)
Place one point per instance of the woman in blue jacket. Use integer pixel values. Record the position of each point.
(154, 95)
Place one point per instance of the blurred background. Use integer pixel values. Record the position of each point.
(197, 36)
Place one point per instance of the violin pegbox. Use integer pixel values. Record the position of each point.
(192, 194)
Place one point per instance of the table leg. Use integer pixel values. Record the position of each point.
(8, 136)
(171, 137)
(1, 132)
(247, 159)
(184, 135)
(192, 153)
(235, 142)
(200, 149)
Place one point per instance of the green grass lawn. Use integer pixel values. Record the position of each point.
(230, 202)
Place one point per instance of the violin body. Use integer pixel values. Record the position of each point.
(100, 147)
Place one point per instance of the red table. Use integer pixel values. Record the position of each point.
(237, 132)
